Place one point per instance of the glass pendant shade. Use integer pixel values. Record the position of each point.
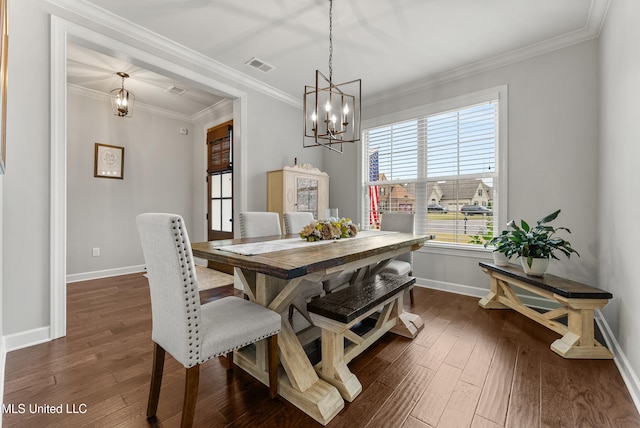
(122, 99)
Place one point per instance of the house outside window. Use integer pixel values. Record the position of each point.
(446, 164)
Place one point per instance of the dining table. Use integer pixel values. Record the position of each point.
(275, 271)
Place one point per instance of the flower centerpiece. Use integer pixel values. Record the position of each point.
(329, 229)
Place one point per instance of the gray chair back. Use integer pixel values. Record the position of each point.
(175, 300)
(399, 222)
(294, 222)
(257, 223)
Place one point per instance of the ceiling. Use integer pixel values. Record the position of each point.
(388, 44)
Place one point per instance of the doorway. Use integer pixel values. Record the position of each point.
(62, 32)
(220, 182)
(220, 187)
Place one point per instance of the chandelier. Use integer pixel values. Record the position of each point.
(122, 99)
(331, 111)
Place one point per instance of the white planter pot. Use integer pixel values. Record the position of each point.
(538, 266)
(500, 259)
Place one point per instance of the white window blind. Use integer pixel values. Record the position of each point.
(442, 166)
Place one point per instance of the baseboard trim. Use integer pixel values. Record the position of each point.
(467, 290)
(27, 338)
(104, 273)
(629, 376)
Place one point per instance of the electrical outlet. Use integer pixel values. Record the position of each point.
(96, 251)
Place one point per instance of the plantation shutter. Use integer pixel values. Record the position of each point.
(431, 155)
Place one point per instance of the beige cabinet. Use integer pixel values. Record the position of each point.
(298, 188)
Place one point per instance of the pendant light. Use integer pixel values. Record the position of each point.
(122, 99)
(331, 111)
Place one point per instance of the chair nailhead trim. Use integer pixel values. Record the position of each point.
(191, 298)
(243, 345)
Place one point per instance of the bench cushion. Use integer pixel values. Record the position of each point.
(349, 303)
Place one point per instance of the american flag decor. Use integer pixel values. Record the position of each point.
(374, 215)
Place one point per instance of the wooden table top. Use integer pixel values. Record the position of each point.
(292, 263)
(560, 286)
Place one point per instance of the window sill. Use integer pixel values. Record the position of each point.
(454, 250)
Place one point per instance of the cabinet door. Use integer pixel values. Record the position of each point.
(307, 195)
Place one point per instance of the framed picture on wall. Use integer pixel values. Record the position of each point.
(109, 161)
(4, 46)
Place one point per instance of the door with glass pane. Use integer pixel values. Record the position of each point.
(220, 181)
(221, 209)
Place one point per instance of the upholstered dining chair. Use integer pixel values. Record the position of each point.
(193, 333)
(254, 224)
(403, 263)
(293, 223)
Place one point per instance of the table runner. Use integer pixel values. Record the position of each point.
(255, 248)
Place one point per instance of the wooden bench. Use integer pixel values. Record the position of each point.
(338, 312)
(579, 301)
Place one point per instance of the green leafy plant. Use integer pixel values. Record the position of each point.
(501, 243)
(483, 238)
(539, 241)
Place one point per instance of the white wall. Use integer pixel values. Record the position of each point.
(552, 157)
(26, 183)
(270, 149)
(157, 178)
(619, 185)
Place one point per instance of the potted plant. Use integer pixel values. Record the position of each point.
(536, 245)
(498, 243)
(501, 246)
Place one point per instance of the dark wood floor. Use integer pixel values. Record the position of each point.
(468, 367)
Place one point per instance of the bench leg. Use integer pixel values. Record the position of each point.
(408, 324)
(491, 300)
(334, 369)
(579, 341)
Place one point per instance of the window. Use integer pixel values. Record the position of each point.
(446, 165)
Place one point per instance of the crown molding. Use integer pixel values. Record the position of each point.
(221, 107)
(591, 30)
(118, 24)
(101, 96)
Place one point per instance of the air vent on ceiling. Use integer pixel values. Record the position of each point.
(260, 65)
(174, 90)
